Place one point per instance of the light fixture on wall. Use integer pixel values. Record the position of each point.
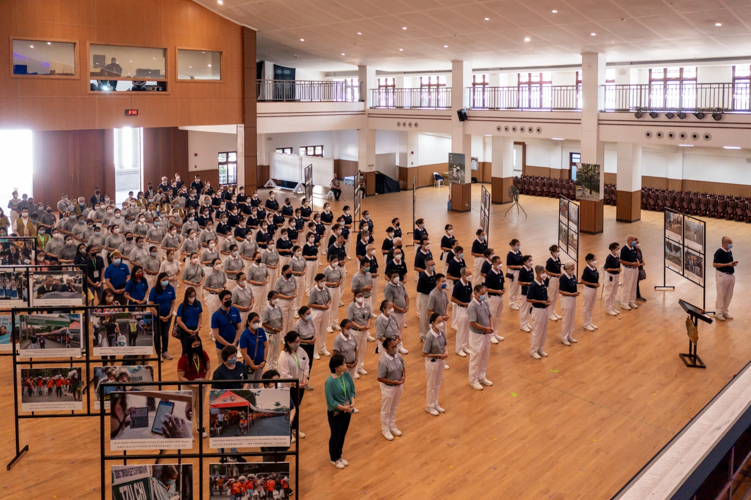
(669, 115)
(654, 114)
(681, 115)
(717, 115)
(700, 115)
(731, 147)
(686, 145)
(639, 113)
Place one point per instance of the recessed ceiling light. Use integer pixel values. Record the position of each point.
(731, 147)
(342, 53)
(555, 12)
(526, 39)
(404, 27)
(445, 46)
(302, 39)
(593, 34)
(31, 46)
(487, 19)
(686, 145)
(130, 61)
(718, 24)
(190, 67)
(401, 50)
(209, 65)
(359, 33)
(557, 138)
(220, 2)
(49, 43)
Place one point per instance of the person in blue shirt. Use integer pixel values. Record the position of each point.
(162, 296)
(514, 263)
(226, 323)
(526, 277)
(254, 346)
(230, 369)
(724, 265)
(116, 275)
(591, 280)
(568, 291)
(612, 274)
(189, 317)
(537, 296)
(136, 288)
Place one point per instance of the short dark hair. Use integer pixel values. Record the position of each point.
(337, 359)
(614, 245)
(589, 256)
(479, 287)
(224, 293)
(433, 317)
(228, 351)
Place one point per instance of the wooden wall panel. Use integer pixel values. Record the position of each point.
(628, 206)
(262, 176)
(591, 216)
(499, 189)
(165, 153)
(249, 111)
(610, 178)
(461, 197)
(370, 183)
(345, 168)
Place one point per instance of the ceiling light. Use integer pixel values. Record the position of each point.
(445, 46)
(404, 27)
(359, 33)
(593, 34)
(487, 19)
(731, 147)
(557, 138)
(342, 53)
(302, 39)
(209, 65)
(190, 67)
(526, 39)
(718, 24)
(686, 145)
(220, 2)
(555, 12)
(31, 46)
(401, 50)
(49, 43)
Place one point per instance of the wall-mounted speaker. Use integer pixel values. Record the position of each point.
(683, 135)
(707, 137)
(671, 135)
(539, 130)
(648, 134)
(462, 113)
(694, 136)
(513, 129)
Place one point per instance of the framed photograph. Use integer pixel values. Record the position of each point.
(588, 181)
(124, 375)
(457, 168)
(573, 216)
(57, 288)
(562, 209)
(674, 226)
(5, 332)
(51, 389)
(257, 480)
(563, 236)
(121, 332)
(249, 418)
(693, 266)
(573, 242)
(15, 251)
(49, 335)
(13, 291)
(674, 256)
(693, 233)
(151, 420)
(152, 482)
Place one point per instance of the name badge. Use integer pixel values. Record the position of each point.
(96, 274)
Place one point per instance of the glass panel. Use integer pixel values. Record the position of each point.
(741, 95)
(16, 162)
(547, 77)
(523, 77)
(127, 85)
(610, 74)
(222, 157)
(688, 95)
(674, 72)
(311, 151)
(657, 73)
(672, 95)
(744, 70)
(231, 173)
(32, 57)
(223, 174)
(656, 95)
(534, 98)
(576, 157)
(199, 65)
(232, 156)
(535, 77)
(303, 151)
(689, 73)
(319, 150)
(112, 61)
(547, 96)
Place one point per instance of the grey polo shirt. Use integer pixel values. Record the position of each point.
(54, 246)
(386, 327)
(141, 229)
(360, 280)
(96, 241)
(390, 367)
(170, 241)
(304, 329)
(191, 246)
(78, 231)
(359, 315)
(285, 286)
(208, 256)
(171, 268)
(234, 264)
(319, 297)
(207, 236)
(192, 273)
(248, 248)
(151, 263)
(347, 347)
(438, 301)
(242, 296)
(434, 343)
(297, 265)
(257, 273)
(126, 247)
(68, 252)
(270, 258)
(332, 275)
(215, 279)
(155, 234)
(396, 294)
(272, 316)
(139, 254)
(188, 226)
(479, 313)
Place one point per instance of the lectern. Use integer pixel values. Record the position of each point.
(695, 314)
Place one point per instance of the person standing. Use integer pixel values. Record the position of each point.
(193, 275)
(271, 319)
(189, 317)
(461, 296)
(494, 286)
(298, 266)
(253, 347)
(162, 298)
(629, 259)
(115, 277)
(724, 265)
(340, 402)
(346, 345)
(568, 293)
(425, 285)
(479, 245)
(435, 354)
(480, 327)
(259, 278)
(194, 365)
(294, 364)
(307, 334)
(319, 300)
(391, 374)
(334, 278)
(537, 296)
(242, 298)
(376, 278)
(553, 270)
(286, 289)
(525, 278)
(310, 254)
(396, 293)
(358, 313)
(362, 280)
(613, 271)
(225, 323)
(642, 271)
(591, 281)
(447, 244)
(514, 263)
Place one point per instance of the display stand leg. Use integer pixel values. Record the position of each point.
(692, 359)
(18, 457)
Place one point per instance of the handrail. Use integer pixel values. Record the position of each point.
(523, 97)
(307, 90)
(420, 98)
(679, 96)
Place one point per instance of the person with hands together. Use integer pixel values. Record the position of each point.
(391, 374)
(271, 319)
(630, 261)
(253, 347)
(340, 402)
(537, 295)
(193, 365)
(162, 296)
(724, 265)
(188, 318)
(435, 354)
(293, 364)
(591, 280)
(480, 328)
(319, 300)
(396, 293)
(569, 293)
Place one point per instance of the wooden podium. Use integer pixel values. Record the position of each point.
(461, 197)
(692, 359)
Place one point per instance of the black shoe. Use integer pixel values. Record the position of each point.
(641, 299)
(241, 459)
(223, 460)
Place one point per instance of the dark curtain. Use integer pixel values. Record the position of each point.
(385, 184)
(285, 90)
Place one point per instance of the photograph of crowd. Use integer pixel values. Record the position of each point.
(157, 420)
(122, 375)
(573, 242)
(250, 481)
(49, 335)
(16, 251)
(674, 256)
(152, 482)
(674, 226)
(119, 331)
(57, 288)
(5, 331)
(245, 418)
(693, 266)
(563, 210)
(13, 292)
(51, 389)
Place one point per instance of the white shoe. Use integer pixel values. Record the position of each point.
(440, 410)
(573, 341)
(395, 431)
(344, 462)
(338, 464)
(544, 354)
(558, 316)
(325, 353)
(719, 317)
(625, 307)
(297, 315)
(595, 327)
(589, 328)
(432, 411)
(499, 337)
(293, 440)
(535, 355)
(211, 336)
(300, 434)
(402, 350)
(493, 340)
(514, 307)
(611, 312)
(355, 410)
(371, 338)
(341, 304)
(727, 316)
(316, 355)
(485, 381)
(633, 306)
(526, 329)
(308, 387)
(476, 386)
(337, 328)
(445, 367)
(362, 371)
(357, 375)
(565, 342)
(466, 350)
(553, 317)
(329, 330)
(461, 353)
(387, 435)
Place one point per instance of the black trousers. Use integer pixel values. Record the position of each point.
(296, 395)
(161, 336)
(338, 425)
(337, 193)
(308, 348)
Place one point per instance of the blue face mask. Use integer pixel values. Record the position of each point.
(231, 362)
(366, 269)
(191, 219)
(308, 317)
(730, 245)
(82, 221)
(443, 286)
(460, 255)
(171, 482)
(482, 298)
(156, 223)
(633, 244)
(164, 283)
(117, 262)
(153, 254)
(516, 248)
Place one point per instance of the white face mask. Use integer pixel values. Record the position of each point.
(544, 276)
(556, 254)
(594, 263)
(440, 325)
(390, 311)
(359, 300)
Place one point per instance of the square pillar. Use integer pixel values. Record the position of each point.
(592, 148)
(366, 77)
(249, 129)
(461, 142)
(366, 155)
(502, 168)
(628, 206)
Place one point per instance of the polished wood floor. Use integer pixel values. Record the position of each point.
(577, 425)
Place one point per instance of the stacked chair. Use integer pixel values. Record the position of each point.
(545, 186)
(717, 206)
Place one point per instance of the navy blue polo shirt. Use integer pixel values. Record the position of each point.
(537, 292)
(332, 240)
(420, 234)
(309, 250)
(628, 254)
(262, 238)
(361, 249)
(284, 247)
(223, 229)
(163, 300)
(425, 283)
(494, 281)
(248, 341)
(299, 224)
(272, 204)
(328, 218)
(306, 211)
(397, 232)
(252, 221)
(613, 263)
(486, 267)
(320, 229)
(387, 245)
(567, 284)
(447, 241)
(278, 219)
(590, 276)
(288, 211)
(420, 258)
(455, 268)
(461, 292)
(514, 259)
(373, 265)
(117, 275)
(340, 252)
(399, 268)
(292, 233)
(190, 313)
(526, 276)
(553, 265)
(225, 323)
(137, 290)
(724, 257)
(479, 247)
(241, 232)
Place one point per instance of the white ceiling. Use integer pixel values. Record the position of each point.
(626, 30)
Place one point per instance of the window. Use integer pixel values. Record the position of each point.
(199, 65)
(284, 151)
(535, 90)
(228, 168)
(741, 85)
(386, 91)
(672, 88)
(311, 151)
(37, 57)
(351, 90)
(480, 85)
(432, 91)
(386, 83)
(114, 62)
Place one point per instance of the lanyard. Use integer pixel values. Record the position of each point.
(297, 361)
(344, 387)
(198, 365)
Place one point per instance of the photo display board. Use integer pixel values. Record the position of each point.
(50, 335)
(568, 229)
(685, 246)
(249, 418)
(57, 287)
(256, 480)
(457, 169)
(51, 389)
(308, 171)
(151, 420)
(122, 332)
(485, 211)
(152, 482)
(17, 251)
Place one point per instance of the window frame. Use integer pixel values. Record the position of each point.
(167, 63)
(183, 80)
(284, 151)
(746, 99)
(314, 148)
(227, 163)
(76, 63)
(529, 84)
(665, 81)
(480, 90)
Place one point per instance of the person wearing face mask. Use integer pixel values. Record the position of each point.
(155, 236)
(396, 293)
(298, 266)
(139, 253)
(94, 271)
(435, 354)
(392, 374)
(13, 207)
(162, 299)
(346, 345)
(480, 322)
(141, 227)
(240, 231)
(388, 244)
(54, 245)
(642, 271)
(233, 265)
(47, 219)
(397, 264)
(111, 243)
(293, 364)
(68, 252)
(307, 335)
(494, 285)
(127, 247)
(284, 247)
(286, 289)
(421, 255)
(455, 265)
(425, 284)
(229, 369)
(340, 402)
(363, 280)
(24, 226)
(190, 245)
(310, 254)
(358, 315)
(225, 323)
(136, 290)
(97, 239)
(208, 255)
(327, 219)
(271, 204)
(591, 280)
(242, 297)
(630, 262)
(553, 270)
(420, 233)
(612, 270)
(461, 296)
(568, 291)
(724, 265)
(163, 486)
(80, 231)
(194, 274)
(194, 365)
(190, 225)
(334, 281)
(248, 247)
(216, 282)
(64, 205)
(208, 235)
(537, 296)
(479, 245)
(116, 276)
(259, 278)
(189, 318)
(320, 300)
(270, 257)
(271, 319)
(171, 267)
(514, 264)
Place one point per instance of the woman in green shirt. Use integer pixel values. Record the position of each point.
(340, 399)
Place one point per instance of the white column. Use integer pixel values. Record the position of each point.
(629, 167)
(461, 79)
(413, 149)
(503, 157)
(593, 77)
(240, 155)
(263, 158)
(366, 151)
(366, 76)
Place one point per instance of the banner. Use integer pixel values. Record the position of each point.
(457, 169)
(485, 211)
(568, 229)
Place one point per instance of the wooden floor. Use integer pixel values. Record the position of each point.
(578, 424)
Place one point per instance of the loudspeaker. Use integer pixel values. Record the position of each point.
(462, 113)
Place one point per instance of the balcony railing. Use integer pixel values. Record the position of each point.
(307, 90)
(688, 96)
(547, 97)
(423, 98)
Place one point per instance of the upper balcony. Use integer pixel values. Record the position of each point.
(306, 91)
(420, 98)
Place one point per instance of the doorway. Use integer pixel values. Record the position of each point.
(574, 158)
(16, 162)
(128, 162)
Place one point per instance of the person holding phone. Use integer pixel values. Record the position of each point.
(194, 365)
(340, 401)
(254, 346)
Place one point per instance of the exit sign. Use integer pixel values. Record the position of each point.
(131, 112)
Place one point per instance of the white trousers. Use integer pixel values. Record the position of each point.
(390, 397)
(495, 303)
(539, 329)
(320, 319)
(628, 292)
(361, 336)
(514, 289)
(422, 308)
(553, 293)
(375, 303)
(479, 351)
(445, 262)
(434, 373)
(299, 292)
(524, 313)
(476, 276)
(311, 269)
(462, 328)
(275, 347)
(336, 297)
(590, 295)
(288, 315)
(611, 290)
(259, 293)
(400, 318)
(725, 284)
(568, 307)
